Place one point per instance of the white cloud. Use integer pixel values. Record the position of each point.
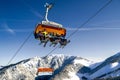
(23, 30)
(35, 12)
(16, 30)
(7, 28)
(88, 29)
(10, 30)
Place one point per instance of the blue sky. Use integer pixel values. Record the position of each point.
(96, 40)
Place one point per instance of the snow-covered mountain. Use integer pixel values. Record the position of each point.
(1, 66)
(108, 68)
(65, 68)
(26, 69)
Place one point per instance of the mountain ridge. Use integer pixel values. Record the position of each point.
(65, 68)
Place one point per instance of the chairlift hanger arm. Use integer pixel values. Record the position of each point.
(48, 7)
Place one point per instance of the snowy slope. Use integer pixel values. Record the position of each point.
(113, 74)
(65, 68)
(1, 67)
(27, 69)
(108, 68)
(83, 61)
(74, 70)
(72, 76)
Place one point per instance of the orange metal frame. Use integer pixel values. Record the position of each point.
(45, 70)
(50, 29)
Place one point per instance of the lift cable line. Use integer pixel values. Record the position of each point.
(15, 54)
(17, 51)
(90, 18)
(19, 48)
(68, 36)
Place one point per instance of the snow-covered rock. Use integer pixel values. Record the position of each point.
(1, 66)
(72, 70)
(27, 69)
(65, 68)
(108, 68)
